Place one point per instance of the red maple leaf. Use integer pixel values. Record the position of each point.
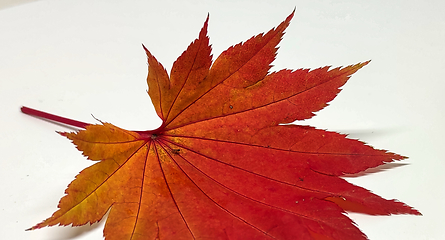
(222, 165)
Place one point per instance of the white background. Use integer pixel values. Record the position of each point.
(77, 58)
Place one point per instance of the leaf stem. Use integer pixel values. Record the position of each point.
(74, 123)
(52, 117)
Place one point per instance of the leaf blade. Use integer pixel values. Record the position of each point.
(222, 166)
(281, 97)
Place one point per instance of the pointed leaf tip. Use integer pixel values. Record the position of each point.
(291, 15)
(203, 32)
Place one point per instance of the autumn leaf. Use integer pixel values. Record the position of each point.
(222, 165)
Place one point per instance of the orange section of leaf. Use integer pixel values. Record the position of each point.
(221, 166)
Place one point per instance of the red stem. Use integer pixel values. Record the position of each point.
(74, 123)
(54, 118)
